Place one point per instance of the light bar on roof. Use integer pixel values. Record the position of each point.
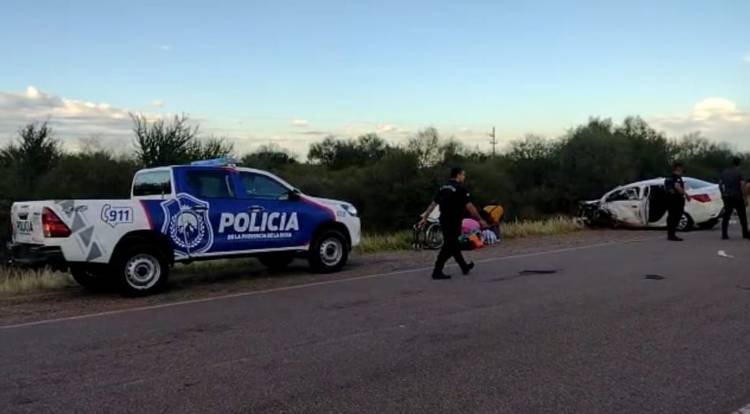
(216, 162)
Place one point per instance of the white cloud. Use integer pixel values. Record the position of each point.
(390, 129)
(716, 118)
(165, 48)
(300, 123)
(70, 118)
(747, 58)
(158, 103)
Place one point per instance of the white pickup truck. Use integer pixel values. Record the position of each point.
(206, 210)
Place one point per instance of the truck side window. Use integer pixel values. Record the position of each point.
(152, 183)
(261, 186)
(210, 184)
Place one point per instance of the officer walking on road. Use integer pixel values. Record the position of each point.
(454, 201)
(676, 198)
(734, 192)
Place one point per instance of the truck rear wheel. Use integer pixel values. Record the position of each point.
(141, 270)
(329, 252)
(95, 280)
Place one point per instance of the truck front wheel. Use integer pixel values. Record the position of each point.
(141, 270)
(329, 252)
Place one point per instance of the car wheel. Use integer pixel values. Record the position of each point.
(329, 252)
(686, 223)
(95, 280)
(276, 261)
(141, 270)
(434, 236)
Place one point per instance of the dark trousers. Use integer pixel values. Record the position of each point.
(732, 204)
(675, 209)
(451, 246)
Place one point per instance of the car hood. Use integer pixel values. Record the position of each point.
(329, 201)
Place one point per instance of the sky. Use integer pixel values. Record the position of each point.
(292, 72)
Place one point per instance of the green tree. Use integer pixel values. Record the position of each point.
(703, 158)
(427, 147)
(594, 159)
(268, 157)
(35, 152)
(648, 149)
(338, 153)
(161, 142)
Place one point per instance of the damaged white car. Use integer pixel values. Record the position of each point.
(644, 204)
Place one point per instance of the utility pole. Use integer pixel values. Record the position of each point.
(493, 140)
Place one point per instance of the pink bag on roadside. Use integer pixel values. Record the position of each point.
(469, 226)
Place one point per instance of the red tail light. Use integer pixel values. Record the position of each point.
(703, 198)
(53, 226)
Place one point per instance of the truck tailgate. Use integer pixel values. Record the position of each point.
(26, 222)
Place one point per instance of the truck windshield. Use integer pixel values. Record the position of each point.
(261, 186)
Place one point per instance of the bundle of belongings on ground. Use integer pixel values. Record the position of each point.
(473, 236)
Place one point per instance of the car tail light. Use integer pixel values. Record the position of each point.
(703, 198)
(53, 226)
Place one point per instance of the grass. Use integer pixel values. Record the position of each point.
(373, 243)
(15, 281)
(402, 240)
(549, 227)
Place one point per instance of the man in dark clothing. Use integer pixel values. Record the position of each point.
(454, 202)
(733, 191)
(676, 197)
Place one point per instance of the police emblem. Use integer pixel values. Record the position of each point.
(187, 224)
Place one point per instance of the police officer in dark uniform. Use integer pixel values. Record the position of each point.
(733, 191)
(676, 197)
(454, 202)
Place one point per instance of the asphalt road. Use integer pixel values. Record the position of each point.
(591, 333)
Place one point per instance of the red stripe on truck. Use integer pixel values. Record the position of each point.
(148, 215)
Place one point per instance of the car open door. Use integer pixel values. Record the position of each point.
(645, 196)
(626, 206)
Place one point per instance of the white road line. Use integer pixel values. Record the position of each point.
(308, 285)
(743, 410)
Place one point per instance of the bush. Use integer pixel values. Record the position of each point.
(391, 185)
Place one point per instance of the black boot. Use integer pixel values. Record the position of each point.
(466, 268)
(439, 275)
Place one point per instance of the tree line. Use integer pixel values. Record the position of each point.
(390, 184)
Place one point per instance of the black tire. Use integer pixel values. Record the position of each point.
(329, 252)
(276, 261)
(433, 236)
(93, 279)
(141, 270)
(686, 223)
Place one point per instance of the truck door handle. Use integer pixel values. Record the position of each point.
(256, 208)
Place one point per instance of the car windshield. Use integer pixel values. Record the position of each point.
(623, 194)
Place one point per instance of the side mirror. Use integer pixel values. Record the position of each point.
(294, 195)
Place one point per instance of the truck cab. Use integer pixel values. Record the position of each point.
(206, 210)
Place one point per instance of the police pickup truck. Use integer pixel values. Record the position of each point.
(206, 210)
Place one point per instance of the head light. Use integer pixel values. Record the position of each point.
(350, 209)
